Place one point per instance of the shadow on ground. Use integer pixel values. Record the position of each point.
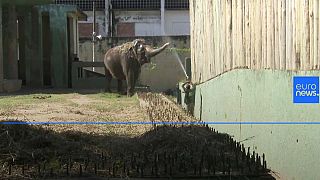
(166, 151)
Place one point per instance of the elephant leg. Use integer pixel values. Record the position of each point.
(130, 83)
(108, 81)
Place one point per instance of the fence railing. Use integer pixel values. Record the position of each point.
(83, 77)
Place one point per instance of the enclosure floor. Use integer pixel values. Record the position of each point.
(70, 106)
(114, 151)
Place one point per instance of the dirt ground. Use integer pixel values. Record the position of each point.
(121, 151)
(82, 106)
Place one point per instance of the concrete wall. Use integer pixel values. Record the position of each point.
(265, 96)
(87, 25)
(145, 23)
(177, 22)
(58, 43)
(148, 23)
(164, 72)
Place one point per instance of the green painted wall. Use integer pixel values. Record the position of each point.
(10, 41)
(25, 41)
(35, 65)
(58, 41)
(31, 42)
(265, 95)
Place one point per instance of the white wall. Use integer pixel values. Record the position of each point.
(147, 29)
(177, 22)
(138, 16)
(100, 19)
(148, 23)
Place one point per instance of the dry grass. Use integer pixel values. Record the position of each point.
(76, 107)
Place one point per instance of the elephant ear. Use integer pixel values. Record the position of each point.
(138, 42)
(131, 53)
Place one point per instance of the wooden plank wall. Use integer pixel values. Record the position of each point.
(254, 34)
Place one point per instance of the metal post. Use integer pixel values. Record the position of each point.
(1, 51)
(94, 32)
(162, 18)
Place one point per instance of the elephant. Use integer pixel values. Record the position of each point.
(124, 62)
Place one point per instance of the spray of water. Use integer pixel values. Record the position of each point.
(175, 53)
(177, 57)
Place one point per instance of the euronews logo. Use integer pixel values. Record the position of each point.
(306, 89)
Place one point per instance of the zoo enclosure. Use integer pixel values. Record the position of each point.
(164, 71)
(261, 34)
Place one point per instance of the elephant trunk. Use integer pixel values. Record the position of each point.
(153, 52)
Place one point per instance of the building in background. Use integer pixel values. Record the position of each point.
(129, 18)
(38, 42)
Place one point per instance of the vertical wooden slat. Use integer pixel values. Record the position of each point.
(217, 36)
(273, 4)
(295, 63)
(192, 32)
(311, 30)
(259, 34)
(288, 35)
(269, 34)
(283, 31)
(298, 33)
(306, 36)
(224, 31)
(242, 50)
(213, 12)
(247, 37)
(234, 30)
(276, 35)
(264, 33)
(318, 41)
(252, 34)
(229, 41)
(316, 34)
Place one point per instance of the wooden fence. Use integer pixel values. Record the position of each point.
(254, 34)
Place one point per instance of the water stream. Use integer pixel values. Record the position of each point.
(175, 53)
